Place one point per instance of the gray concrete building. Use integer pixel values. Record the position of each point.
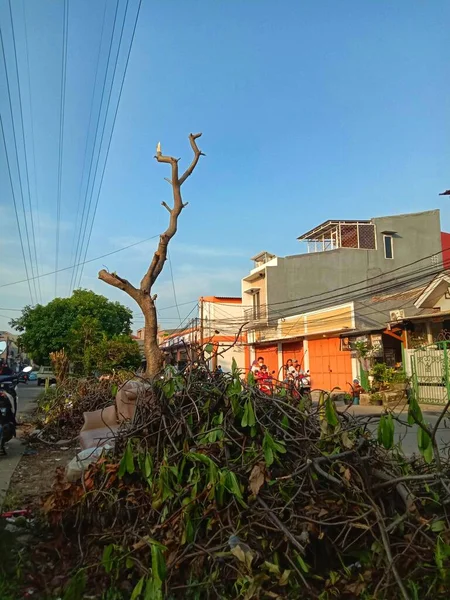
(344, 260)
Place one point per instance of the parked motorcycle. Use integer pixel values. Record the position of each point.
(8, 384)
(7, 421)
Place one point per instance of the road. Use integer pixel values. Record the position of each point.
(27, 402)
(405, 434)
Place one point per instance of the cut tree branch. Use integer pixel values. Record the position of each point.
(122, 284)
(160, 256)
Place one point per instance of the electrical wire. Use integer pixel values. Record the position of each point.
(78, 252)
(61, 133)
(27, 280)
(38, 293)
(364, 281)
(87, 141)
(85, 262)
(38, 250)
(19, 173)
(111, 135)
(173, 286)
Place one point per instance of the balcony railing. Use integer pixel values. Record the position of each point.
(256, 318)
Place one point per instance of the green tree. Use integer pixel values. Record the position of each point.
(73, 323)
(120, 352)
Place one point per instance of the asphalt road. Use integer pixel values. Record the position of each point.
(27, 402)
(404, 433)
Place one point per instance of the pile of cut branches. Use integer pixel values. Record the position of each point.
(60, 409)
(218, 490)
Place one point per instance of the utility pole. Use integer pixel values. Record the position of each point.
(201, 325)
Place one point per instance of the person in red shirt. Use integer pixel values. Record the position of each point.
(264, 379)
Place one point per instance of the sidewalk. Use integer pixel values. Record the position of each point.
(15, 448)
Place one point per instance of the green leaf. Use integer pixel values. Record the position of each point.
(107, 561)
(235, 369)
(114, 390)
(279, 447)
(76, 587)
(414, 411)
(285, 422)
(209, 348)
(303, 566)
(251, 381)
(330, 412)
(386, 430)
(251, 414)
(138, 589)
(428, 454)
(268, 449)
(272, 568)
(244, 420)
(158, 563)
(148, 466)
(129, 459)
(234, 487)
(153, 589)
(438, 526)
(424, 444)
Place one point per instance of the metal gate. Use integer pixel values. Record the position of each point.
(430, 373)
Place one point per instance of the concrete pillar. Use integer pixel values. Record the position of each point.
(280, 361)
(305, 356)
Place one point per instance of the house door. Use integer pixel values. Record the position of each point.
(293, 350)
(328, 365)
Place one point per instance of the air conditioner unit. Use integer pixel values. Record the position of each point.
(396, 315)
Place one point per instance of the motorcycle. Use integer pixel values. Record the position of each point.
(7, 421)
(9, 383)
(305, 384)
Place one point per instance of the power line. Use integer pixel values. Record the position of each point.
(78, 251)
(15, 211)
(25, 150)
(85, 262)
(111, 134)
(18, 168)
(36, 191)
(87, 140)
(363, 281)
(61, 132)
(173, 286)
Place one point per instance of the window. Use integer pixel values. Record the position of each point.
(388, 246)
(256, 306)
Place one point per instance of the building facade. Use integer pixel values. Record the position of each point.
(218, 328)
(302, 306)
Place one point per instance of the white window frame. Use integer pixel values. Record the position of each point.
(386, 235)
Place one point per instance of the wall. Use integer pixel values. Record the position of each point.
(303, 281)
(445, 239)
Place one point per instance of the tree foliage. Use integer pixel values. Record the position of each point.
(77, 324)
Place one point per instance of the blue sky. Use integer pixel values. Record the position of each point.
(309, 110)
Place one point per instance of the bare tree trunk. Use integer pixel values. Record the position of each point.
(153, 354)
(143, 294)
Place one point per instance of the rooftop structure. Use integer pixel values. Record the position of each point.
(331, 235)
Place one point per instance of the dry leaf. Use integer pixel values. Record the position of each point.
(244, 557)
(257, 477)
(284, 577)
(346, 441)
(347, 474)
(322, 512)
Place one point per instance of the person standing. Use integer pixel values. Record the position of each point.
(257, 364)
